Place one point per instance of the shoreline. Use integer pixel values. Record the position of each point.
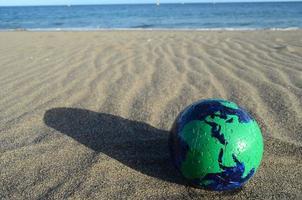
(149, 29)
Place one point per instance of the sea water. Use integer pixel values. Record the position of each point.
(284, 15)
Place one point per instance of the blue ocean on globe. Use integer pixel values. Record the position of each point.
(277, 15)
(216, 145)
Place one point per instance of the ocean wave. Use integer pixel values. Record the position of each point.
(143, 26)
(146, 27)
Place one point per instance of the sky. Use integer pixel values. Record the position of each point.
(76, 2)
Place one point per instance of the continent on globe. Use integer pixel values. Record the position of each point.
(216, 145)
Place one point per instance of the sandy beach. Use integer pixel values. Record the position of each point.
(86, 115)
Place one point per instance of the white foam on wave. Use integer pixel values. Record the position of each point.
(151, 29)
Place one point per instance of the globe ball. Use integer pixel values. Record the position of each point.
(216, 145)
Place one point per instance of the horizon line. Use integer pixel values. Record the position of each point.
(105, 4)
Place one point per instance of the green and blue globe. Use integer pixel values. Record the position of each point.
(216, 145)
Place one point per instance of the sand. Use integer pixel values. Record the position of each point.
(86, 115)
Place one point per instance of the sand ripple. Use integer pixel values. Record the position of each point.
(140, 80)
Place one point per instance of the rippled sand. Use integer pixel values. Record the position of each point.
(86, 114)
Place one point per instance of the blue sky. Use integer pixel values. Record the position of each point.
(65, 2)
